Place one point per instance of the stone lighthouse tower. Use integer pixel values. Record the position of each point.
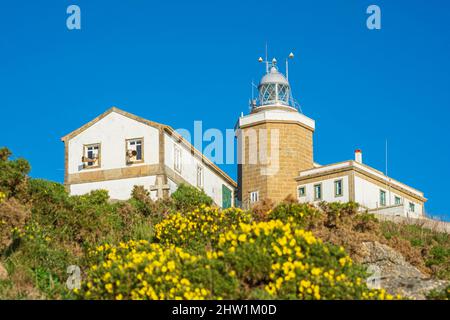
(275, 142)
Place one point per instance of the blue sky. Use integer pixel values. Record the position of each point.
(179, 61)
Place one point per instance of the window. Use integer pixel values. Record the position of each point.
(268, 93)
(227, 195)
(338, 190)
(283, 93)
(199, 176)
(91, 156)
(412, 207)
(382, 198)
(177, 159)
(398, 201)
(301, 191)
(134, 150)
(318, 192)
(254, 196)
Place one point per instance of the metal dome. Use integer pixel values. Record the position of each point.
(273, 76)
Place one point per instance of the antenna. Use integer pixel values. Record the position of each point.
(253, 100)
(260, 59)
(386, 159)
(388, 185)
(267, 62)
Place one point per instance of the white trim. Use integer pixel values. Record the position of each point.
(298, 191)
(276, 115)
(254, 196)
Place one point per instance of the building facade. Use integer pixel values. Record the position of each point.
(353, 181)
(118, 150)
(276, 160)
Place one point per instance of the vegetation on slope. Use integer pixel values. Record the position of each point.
(182, 247)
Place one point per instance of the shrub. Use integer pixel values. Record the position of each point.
(365, 222)
(142, 202)
(201, 226)
(140, 199)
(80, 220)
(337, 211)
(443, 294)
(47, 199)
(46, 192)
(261, 209)
(42, 257)
(134, 225)
(271, 259)
(292, 263)
(303, 214)
(13, 174)
(188, 198)
(141, 270)
(439, 255)
(13, 215)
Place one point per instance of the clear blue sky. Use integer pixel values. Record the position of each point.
(176, 62)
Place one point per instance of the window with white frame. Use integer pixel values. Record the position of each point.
(200, 176)
(301, 191)
(177, 159)
(338, 188)
(91, 156)
(318, 191)
(134, 150)
(398, 201)
(382, 198)
(254, 196)
(412, 207)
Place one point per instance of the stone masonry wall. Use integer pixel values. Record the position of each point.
(295, 153)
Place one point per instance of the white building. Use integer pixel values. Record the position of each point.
(354, 181)
(118, 150)
(275, 113)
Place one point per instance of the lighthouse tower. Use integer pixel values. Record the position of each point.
(275, 142)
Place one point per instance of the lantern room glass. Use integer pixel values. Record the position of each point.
(274, 93)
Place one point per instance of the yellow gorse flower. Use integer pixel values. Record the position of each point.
(298, 264)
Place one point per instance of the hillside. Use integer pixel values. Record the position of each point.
(184, 247)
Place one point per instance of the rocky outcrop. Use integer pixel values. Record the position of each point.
(392, 272)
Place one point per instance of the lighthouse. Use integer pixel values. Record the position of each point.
(275, 142)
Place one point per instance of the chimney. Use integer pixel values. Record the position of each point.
(358, 155)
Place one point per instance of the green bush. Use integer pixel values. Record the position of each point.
(439, 255)
(44, 191)
(302, 214)
(13, 174)
(188, 197)
(140, 199)
(439, 294)
(43, 258)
